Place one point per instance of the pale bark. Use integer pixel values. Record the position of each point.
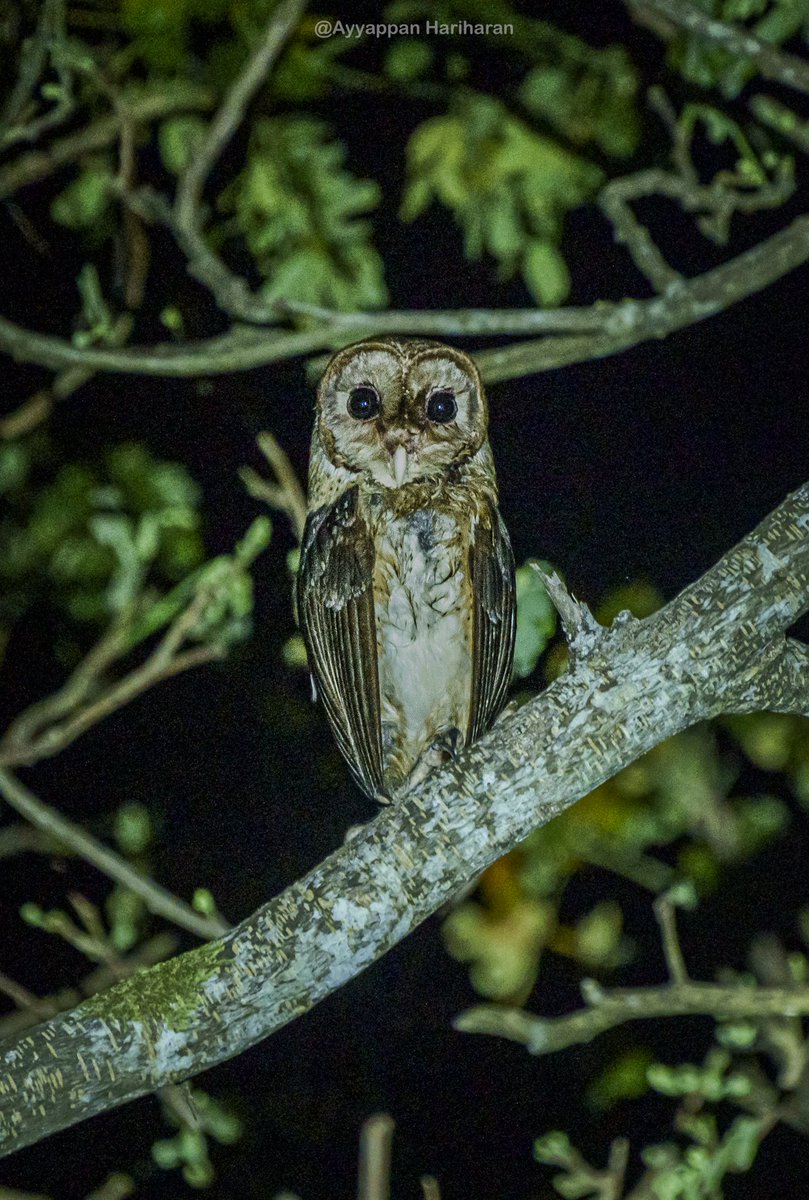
(718, 647)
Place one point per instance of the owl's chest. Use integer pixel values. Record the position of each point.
(420, 581)
(423, 621)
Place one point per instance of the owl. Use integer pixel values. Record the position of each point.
(406, 595)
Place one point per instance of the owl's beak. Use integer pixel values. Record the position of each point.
(399, 463)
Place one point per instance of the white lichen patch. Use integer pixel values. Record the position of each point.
(171, 1051)
(770, 564)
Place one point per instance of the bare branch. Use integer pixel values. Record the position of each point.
(156, 898)
(286, 494)
(667, 920)
(610, 327)
(738, 41)
(143, 106)
(607, 1009)
(230, 291)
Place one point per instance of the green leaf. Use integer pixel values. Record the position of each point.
(508, 187)
(536, 618)
(545, 273)
(408, 59)
(588, 96)
(132, 828)
(84, 202)
(178, 140)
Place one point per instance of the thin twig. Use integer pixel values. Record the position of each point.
(156, 898)
(39, 406)
(666, 918)
(23, 999)
(373, 1175)
(286, 494)
(608, 1009)
(36, 50)
(144, 106)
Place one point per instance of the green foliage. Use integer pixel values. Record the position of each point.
(298, 209)
(92, 538)
(199, 1119)
(85, 202)
(624, 1078)
(178, 139)
(694, 1172)
(508, 187)
(407, 59)
(503, 954)
(759, 178)
(203, 902)
(588, 99)
(133, 828)
(161, 29)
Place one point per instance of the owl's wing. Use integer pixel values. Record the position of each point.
(494, 620)
(336, 614)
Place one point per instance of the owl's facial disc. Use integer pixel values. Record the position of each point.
(401, 413)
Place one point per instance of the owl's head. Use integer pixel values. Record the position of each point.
(401, 411)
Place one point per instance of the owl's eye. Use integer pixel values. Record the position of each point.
(441, 407)
(363, 403)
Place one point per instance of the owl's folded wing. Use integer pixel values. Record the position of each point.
(494, 622)
(336, 614)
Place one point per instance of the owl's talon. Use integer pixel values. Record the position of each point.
(449, 742)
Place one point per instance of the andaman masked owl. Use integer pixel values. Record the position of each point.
(406, 595)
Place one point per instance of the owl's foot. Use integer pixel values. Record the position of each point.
(448, 744)
(445, 746)
(507, 712)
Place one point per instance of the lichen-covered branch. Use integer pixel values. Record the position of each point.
(628, 688)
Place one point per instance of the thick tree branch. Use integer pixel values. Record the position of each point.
(640, 682)
(605, 328)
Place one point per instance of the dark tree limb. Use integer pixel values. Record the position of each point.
(604, 328)
(772, 63)
(638, 683)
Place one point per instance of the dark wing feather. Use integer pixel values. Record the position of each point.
(337, 619)
(494, 624)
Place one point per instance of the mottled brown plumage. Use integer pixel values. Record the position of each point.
(406, 584)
